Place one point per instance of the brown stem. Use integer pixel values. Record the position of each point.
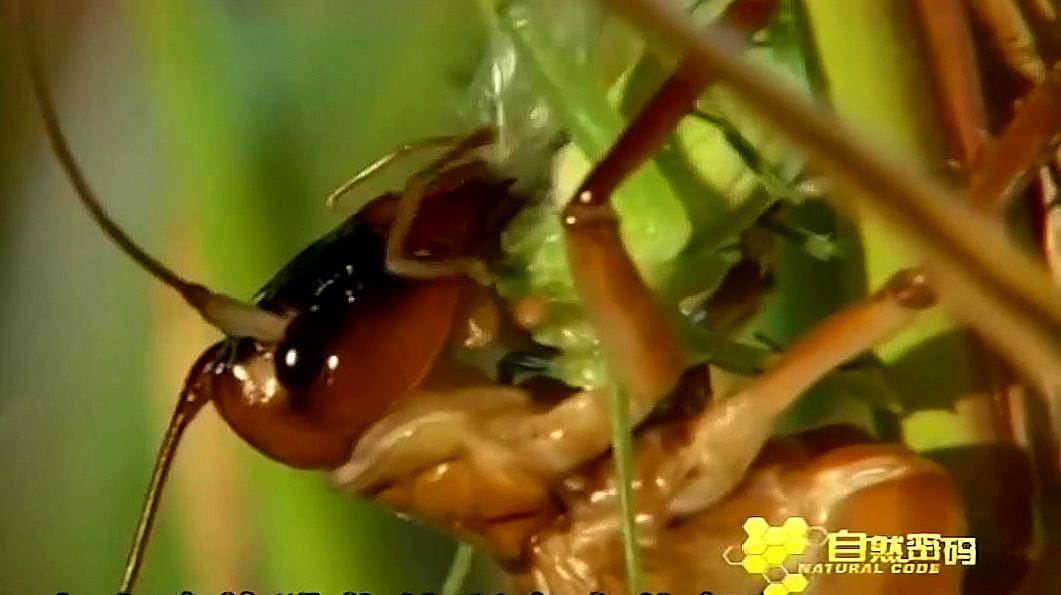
(1050, 207)
(997, 171)
(672, 102)
(1046, 25)
(1006, 164)
(984, 278)
(951, 58)
(1012, 36)
(1041, 9)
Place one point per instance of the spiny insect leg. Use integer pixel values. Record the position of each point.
(642, 352)
(729, 434)
(408, 205)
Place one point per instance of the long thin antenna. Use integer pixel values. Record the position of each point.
(62, 152)
(188, 405)
(389, 159)
(231, 316)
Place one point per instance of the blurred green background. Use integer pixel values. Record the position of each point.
(212, 131)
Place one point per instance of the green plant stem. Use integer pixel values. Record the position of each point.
(623, 455)
(459, 569)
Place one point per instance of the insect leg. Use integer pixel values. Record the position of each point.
(642, 352)
(408, 205)
(994, 172)
(727, 437)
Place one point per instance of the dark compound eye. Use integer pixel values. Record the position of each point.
(302, 356)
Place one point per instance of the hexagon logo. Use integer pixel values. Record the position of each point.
(754, 564)
(775, 554)
(753, 545)
(775, 589)
(795, 526)
(767, 548)
(775, 574)
(776, 536)
(817, 536)
(795, 583)
(755, 526)
(730, 555)
(796, 545)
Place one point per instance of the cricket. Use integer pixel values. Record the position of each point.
(547, 341)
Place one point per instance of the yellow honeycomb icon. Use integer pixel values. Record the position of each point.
(767, 547)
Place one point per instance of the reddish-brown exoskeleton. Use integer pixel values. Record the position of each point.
(345, 363)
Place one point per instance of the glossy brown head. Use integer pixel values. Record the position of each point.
(359, 337)
(305, 400)
(333, 340)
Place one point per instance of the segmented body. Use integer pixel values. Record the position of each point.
(365, 384)
(464, 460)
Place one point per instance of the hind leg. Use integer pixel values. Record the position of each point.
(728, 435)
